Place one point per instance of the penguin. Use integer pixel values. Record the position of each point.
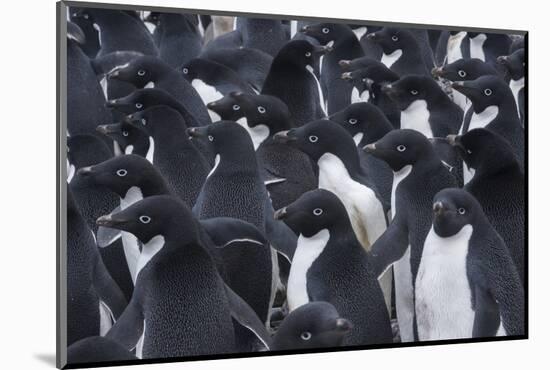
(85, 100)
(179, 40)
(94, 301)
(452, 46)
(174, 258)
(168, 148)
(499, 186)
(493, 108)
(119, 31)
(291, 78)
(287, 172)
(148, 71)
(413, 160)
(267, 35)
(313, 325)
(366, 124)
(91, 46)
(332, 148)
(488, 46)
(345, 45)
(331, 265)
(467, 285)
(370, 48)
(424, 42)
(515, 66)
(251, 65)
(213, 80)
(402, 53)
(97, 349)
(84, 151)
(424, 106)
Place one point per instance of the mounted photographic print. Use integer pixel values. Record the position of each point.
(236, 185)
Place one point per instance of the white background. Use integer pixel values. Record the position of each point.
(27, 180)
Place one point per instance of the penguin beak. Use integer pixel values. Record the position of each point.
(372, 36)
(464, 87)
(343, 325)
(112, 103)
(368, 83)
(85, 171)
(388, 89)
(113, 74)
(280, 214)
(370, 148)
(437, 71)
(211, 105)
(109, 221)
(196, 132)
(284, 137)
(347, 76)
(502, 59)
(344, 63)
(304, 30)
(321, 50)
(438, 208)
(107, 129)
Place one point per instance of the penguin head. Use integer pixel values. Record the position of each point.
(485, 91)
(411, 88)
(313, 325)
(122, 172)
(191, 69)
(153, 18)
(399, 148)
(326, 32)
(481, 148)
(299, 53)
(156, 215)
(391, 39)
(317, 138)
(464, 70)
(83, 14)
(227, 107)
(312, 212)
(139, 100)
(454, 208)
(74, 32)
(126, 134)
(225, 138)
(514, 63)
(264, 110)
(139, 71)
(364, 118)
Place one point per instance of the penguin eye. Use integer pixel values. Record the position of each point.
(236, 107)
(210, 137)
(469, 151)
(313, 138)
(124, 133)
(85, 15)
(401, 148)
(461, 211)
(394, 38)
(139, 105)
(185, 70)
(306, 335)
(308, 54)
(145, 219)
(143, 121)
(352, 121)
(122, 172)
(414, 92)
(317, 211)
(488, 92)
(141, 72)
(261, 109)
(461, 73)
(325, 30)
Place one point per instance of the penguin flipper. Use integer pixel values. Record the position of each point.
(389, 247)
(129, 327)
(107, 289)
(246, 317)
(487, 316)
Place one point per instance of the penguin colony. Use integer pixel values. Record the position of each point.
(244, 184)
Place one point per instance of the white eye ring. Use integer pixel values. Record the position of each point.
(124, 133)
(317, 211)
(401, 148)
(308, 54)
(313, 138)
(185, 70)
(143, 121)
(86, 16)
(488, 92)
(352, 121)
(141, 72)
(325, 30)
(122, 172)
(139, 105)
(261, 109)
(210, 137)
(394, 38)
(461, 73)
(461, 211)
(414, 92)
(236, 107)
(145, 219)
(306, 335)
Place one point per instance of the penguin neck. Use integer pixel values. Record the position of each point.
(349, 156)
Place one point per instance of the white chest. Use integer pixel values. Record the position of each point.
(307, 251)
(398, 176)
(357, 97)
(476, 46)
(208, 94)
(417, 117)
(319, 91)
(516, 86)
(453, 47)
(360, 32)
(148, 251)
(130, 243)
(460, 99)
(257, 133)
(480, 120)
(216, 163)
(364, 209)
(70, 171)
(357, 138)
(389, 59)
(443, 295)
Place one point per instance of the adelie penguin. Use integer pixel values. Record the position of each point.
(168, 287)
(467, 285)
(179, 40)
(287, 172)
(345, 45)
(515, 67)
(331, 265)
(402, 53)
(291, 78)
(413, 160)
(424, 106)
(488, 46)
(498, 184)
(267, 35)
